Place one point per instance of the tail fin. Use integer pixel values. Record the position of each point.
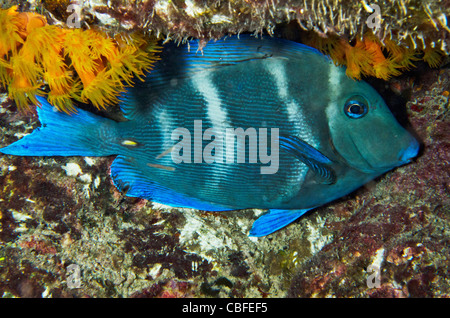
(61, 134)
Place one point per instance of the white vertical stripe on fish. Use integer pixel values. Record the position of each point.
(295, 116)
(217, 114)
(166, 125)
(278, 70)
(334, 80)
(165, 121)
(218, 117)
(334, 86)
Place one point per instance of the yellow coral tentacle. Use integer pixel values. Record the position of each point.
(368, 56)
(21, 90)
(102, 91)
(77, 45)
(5, 73)
(9, 36)
(75, 64)
(433, 56)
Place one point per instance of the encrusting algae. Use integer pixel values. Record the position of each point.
(76, 64)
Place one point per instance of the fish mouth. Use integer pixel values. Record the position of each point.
(410, 152)
(363, 165)
(404, 157)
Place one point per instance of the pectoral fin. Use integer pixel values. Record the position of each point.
(310, 156)
(274, 220)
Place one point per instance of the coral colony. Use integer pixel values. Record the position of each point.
(75, 64)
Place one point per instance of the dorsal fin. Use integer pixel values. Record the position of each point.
(180, 62)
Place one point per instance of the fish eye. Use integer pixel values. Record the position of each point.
(355, 108)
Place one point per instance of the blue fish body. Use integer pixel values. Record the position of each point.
(247, 123)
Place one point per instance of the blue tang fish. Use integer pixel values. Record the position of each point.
(247, 123)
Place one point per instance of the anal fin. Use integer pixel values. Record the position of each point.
(134, 179)
(274, 220)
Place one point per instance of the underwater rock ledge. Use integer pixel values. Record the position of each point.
(205, 20)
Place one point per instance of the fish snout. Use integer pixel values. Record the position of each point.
(410, 152)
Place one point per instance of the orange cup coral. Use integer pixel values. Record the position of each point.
(368, 56)
(82, 65)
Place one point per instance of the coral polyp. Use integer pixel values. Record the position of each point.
(75, 64)
(368, 56)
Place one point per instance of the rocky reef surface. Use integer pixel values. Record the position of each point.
(388, 239)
